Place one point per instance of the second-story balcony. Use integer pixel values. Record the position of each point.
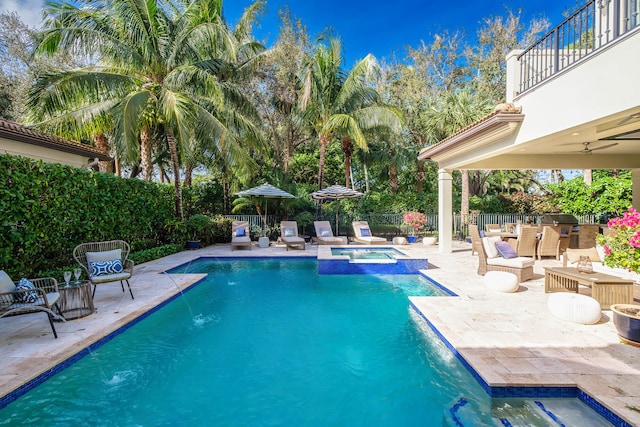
(595, 26)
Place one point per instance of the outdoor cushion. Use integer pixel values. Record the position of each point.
(494, 230)
(501, 281)
(239, 232)
(520, 262)
(364, 232)
(482, 233)
(289, 232)
(325, 232)
(104, 255)
(505, 250)
(489, 244)
(575, 308)
(573, 255)
(105, 268)
(26, 297)
(6, 284)
(110, 277)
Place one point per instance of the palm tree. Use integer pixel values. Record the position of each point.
(164, 64)
(340, 104)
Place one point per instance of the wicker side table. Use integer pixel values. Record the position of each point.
(75, 299)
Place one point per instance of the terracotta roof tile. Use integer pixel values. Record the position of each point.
(18, 132)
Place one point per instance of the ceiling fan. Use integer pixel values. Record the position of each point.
(587, 150)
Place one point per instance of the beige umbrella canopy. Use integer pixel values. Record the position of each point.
(266, 191)
(336, 192)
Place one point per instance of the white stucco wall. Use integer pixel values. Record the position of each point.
(17, 148)
(600, 86)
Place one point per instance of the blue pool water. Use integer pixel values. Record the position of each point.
(368, 253)
(269, 342)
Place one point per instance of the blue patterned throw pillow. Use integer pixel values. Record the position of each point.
(364, 232)
(240, 232)
(26, 297)
(105, 268)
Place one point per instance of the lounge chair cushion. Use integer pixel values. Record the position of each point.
(325, 232)
(505, 250)
(364, 232)
(26, 297)
(520, 262)
(110, 277)
(288, 232)
(494, 230)
(105, 263)
(489, 244)
(6, 284)
(239, 232)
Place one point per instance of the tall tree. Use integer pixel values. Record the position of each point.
(339, 104)
(162, 64)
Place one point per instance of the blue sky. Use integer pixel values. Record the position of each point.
(380, 27)
(372, 26)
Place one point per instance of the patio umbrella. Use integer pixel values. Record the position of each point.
(336, 192)
(266, 191)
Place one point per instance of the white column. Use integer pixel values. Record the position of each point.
(445, 210)
(635, 188)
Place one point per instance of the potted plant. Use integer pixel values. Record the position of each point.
(416, 222)
(304, 219)
(622, 250)
(196, 228)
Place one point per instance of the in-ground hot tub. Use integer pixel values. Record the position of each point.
(368, 260)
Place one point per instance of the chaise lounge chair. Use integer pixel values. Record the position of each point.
(289, 235)
(363, 234)
(240, 234)
(324, 234)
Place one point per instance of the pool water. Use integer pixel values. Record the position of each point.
(368, 253)
(269, 342)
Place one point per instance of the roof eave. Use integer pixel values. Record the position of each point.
(497, 124)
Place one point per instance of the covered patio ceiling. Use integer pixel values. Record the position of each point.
(492, 143)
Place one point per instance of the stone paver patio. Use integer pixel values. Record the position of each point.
(509, 339)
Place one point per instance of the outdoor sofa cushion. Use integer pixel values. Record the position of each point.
(573, 255)
(26, 297)
(505, 250)
(6, 284)
(520, 262)
(489, 244)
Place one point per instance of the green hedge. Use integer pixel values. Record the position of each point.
(47, 209)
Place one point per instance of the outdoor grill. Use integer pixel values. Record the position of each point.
(565, 219)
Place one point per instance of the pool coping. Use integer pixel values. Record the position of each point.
(588, 399)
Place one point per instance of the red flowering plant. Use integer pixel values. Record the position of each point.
(416, 221)
(622, 243)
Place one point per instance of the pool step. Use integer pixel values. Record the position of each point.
(559, 412)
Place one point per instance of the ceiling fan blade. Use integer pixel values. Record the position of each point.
(604, 146)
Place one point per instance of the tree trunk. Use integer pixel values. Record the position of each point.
(324, 139)
(146, 163)
(393, 174)
(226, 196)
(560, 176)
(420, 177)
(173, 150)
(188, 174)
(366, 177)
(588, 176)
(464, 196)
(347, 149)
(116, 164)
(101, 143)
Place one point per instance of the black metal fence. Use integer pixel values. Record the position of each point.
(596, 24)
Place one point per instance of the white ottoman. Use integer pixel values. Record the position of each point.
(501, 281)
(574, 308)
(399, 241)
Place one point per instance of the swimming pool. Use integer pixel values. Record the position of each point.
(264, 342)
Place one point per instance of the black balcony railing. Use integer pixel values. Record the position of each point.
(593, 26)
